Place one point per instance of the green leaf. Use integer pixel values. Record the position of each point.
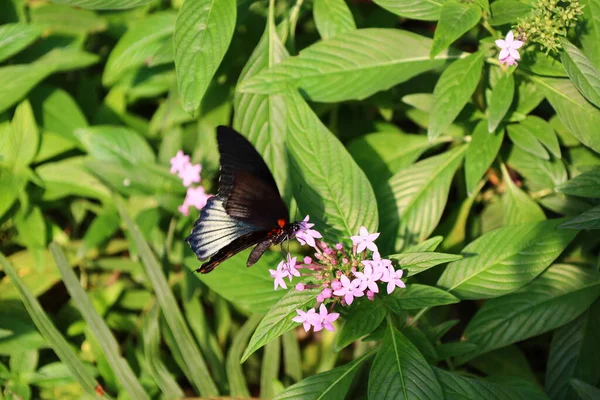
(508, 11)
(586, 184)
(456, 19)
(363, 317)
(590, 38)
(428, 245)
(353, 66)
(527, 96)
(539, 174)
(585, 390)
(107, 341)
(235, 375)
(332, 17)
(518, 206)
(416, 296)
(446, 351)
(574, 352)
(555, 298)
(104, 4)
(32, 232)
(481, 153)
(12, 183)
(413, 205)
(161, 375)
(279, 319)
(424, 10)
(19, 141)
(582, 72)
(459, 387)
(142, 40)
(588, 220)
(524, 138)
(544, 132)
(506, 259)
(416, 262)
(327, 183)
(115, 144)
(18, 332)
(452, 92)
(330, 385)
(270, 368)
(507, 361)
(200, 376)
(202, 34)
(60, 19)
(501, 99)
(15, 37)
(380, 155)
(58, 343)
(251, 289)
(400, 371)
(580, 117)
(292, 361)
(261, 118)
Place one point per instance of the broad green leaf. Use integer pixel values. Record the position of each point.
(452, 92)
(586, 184)
(481, 153)
(417, 261)
(508, 11)
(416, 296)
(32, 232)
(590, 37)
(60, 19)
(269, 371)
(414, 202)
(456, 19)
(588, 220)
(12, 183)
(507, 361)
(19, 141)
(292, 359)
(518, 206)
(327, 183)
(251, 289)
(446, 351)
(56, 340)
(585, 391)
(235, 375)
(539, 174)
(332, 17)
(580, 117)
(104, 4)
(524, 138)
(202, 34)
(428, 245)
(424, 10)
(262, 118)
(459, 387)
(555, 298)
(582, 72)
(18, 332)
(352, 66)
(151, 337)
(15, 37)
(330, 385)
(106, 340)
(115, 144)
(363, 317)
(380, 155)
(500, 100)
(543, 131)
(200, 375)
(142, 40)
(506, 259)
(400, 371)
(574, 352)
(527, 95)
(279, 319)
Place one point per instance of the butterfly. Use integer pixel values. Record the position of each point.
(247, 210)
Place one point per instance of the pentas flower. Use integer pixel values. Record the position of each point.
(340, 275)
(179, 162)
(194, 197)
(189, 173)
(508, 49)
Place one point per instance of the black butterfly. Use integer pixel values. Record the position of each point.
(248, 209)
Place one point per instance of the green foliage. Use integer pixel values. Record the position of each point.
(396, 115)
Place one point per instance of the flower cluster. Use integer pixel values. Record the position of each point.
(189, 173)
(509, 54)
(341, 275)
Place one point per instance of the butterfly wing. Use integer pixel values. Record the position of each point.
(247, 207)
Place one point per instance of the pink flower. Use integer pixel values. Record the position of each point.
(369, 278)
(190, 174)
(320, 298)
(394, 279)
(350, 289)
(306, 235)
(195, 197)
(290, 266)
(324, 319)
(278, 274)
(339, 246)
(307, 260)
(326, 293)
(306, 318)
(365, 240)
(508, 49)
(300, 286)
(336, 284)
(179, 162)
(370, 295)
(379, 265)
